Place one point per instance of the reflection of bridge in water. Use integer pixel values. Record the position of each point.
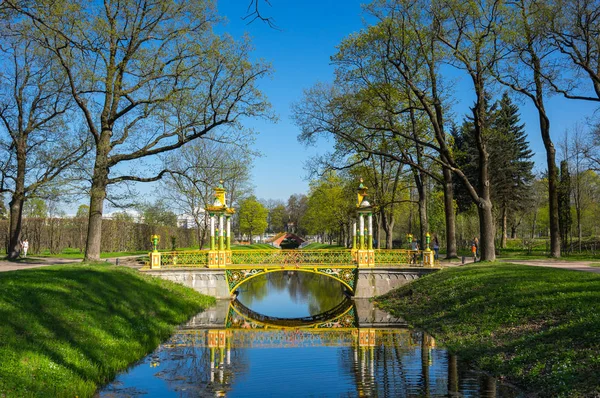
(359, 351)
(355, 324)
(372, 341)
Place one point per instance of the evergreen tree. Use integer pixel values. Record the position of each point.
(511, 158)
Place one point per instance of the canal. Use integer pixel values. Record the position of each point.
(295, 334)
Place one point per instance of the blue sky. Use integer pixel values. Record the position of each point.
(299, 53)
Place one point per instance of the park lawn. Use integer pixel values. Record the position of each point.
(538, 327)
(66, 330)
(76, 253)
(322, 246)
(254, 246)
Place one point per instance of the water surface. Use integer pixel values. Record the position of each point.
(258, 347)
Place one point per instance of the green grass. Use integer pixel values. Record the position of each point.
(539, 327)
(538, 249)
(76, 253)
(66, 330)
(322, 246)
(254, 246)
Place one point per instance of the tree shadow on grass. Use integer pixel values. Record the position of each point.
(90, 321)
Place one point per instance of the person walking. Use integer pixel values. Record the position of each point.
(25, 245)
(415, 249)
(436, 247)
(474, 246)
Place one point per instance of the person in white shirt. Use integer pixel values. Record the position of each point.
(25, 245)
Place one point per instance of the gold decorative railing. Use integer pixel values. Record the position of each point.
(292, 257)
(184, 259)
(398, 257)
(295, 258)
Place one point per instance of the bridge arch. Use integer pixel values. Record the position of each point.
(341, 316)
(346, 275)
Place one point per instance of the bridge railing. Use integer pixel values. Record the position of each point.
(292, 257)
(196, 258)
(399, 257)
(382, 257)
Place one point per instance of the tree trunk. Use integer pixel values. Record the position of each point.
(487, 230)
(487, 227)
(579, 234)
(389, 238)
(388, 227)
(451, 250)
(16, 220)
(16, 203)
(550, 154)
(504, 225)
(97, 196)
(552, 188)
(422, 205)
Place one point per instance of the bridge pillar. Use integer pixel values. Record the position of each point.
(219, 258)
(228, 231)
(212, 231)
(155, 260)
(221, 230)
(365, 258)
(428, 258)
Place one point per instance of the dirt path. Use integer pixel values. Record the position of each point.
(36, 262)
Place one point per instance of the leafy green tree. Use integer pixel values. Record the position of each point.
(149, 77)
(158, 214)
(296, 207)
(83, 211)
(277, 218)
(35, 208)
(253, 217)
(329, 209)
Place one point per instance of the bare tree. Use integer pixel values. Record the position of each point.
(195, 171)
(149, 77)
(37, 142)
(573, 27)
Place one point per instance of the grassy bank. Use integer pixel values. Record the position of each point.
(65, 330)
(254, 246)
(322, 246)
(539, 327)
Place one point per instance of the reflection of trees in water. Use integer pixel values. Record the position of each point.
(319, 292)
(185, 365)
(400, 364)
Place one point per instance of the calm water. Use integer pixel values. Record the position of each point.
(298, 335)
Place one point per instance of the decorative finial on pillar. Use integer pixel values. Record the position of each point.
(362, 193)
